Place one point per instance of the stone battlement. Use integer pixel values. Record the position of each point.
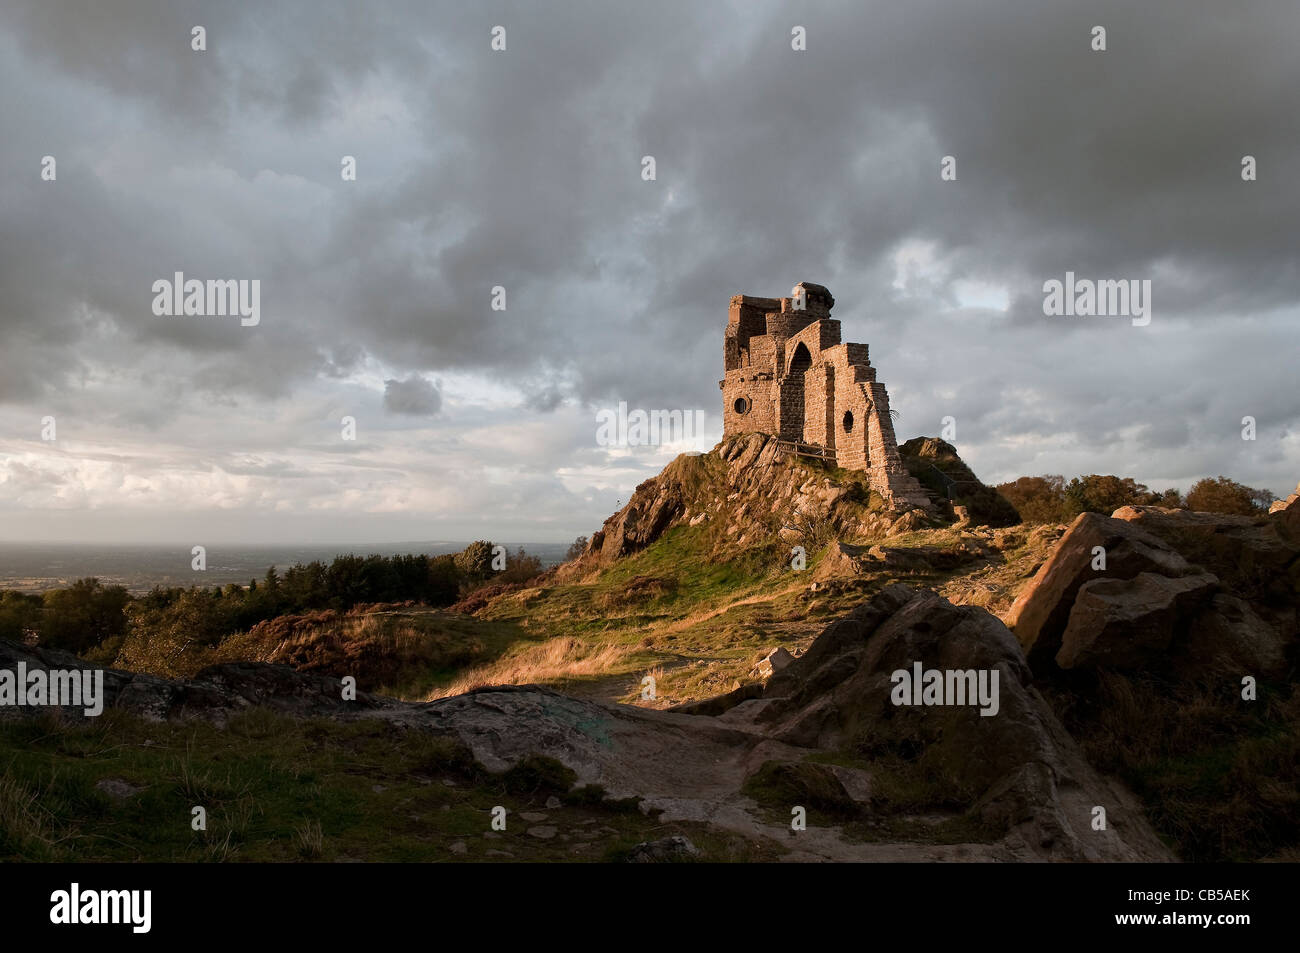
(789, 374)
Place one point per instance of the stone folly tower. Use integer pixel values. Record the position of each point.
(789, 375)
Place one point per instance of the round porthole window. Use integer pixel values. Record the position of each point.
(848, 421)
(741, 406)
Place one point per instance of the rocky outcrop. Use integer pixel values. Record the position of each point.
(1189, 592)
(751, 494)
(1041, 612)
(845, 559)
(945, 475)
(1248, 553)
(213, 694)
(1231, 637)
(1018, 768)
(1285, 515)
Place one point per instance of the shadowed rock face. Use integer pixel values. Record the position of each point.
(1124, 623)
(1021, 769)
(1017, 772)
(945, 475)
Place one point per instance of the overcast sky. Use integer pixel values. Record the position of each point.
(523, 169)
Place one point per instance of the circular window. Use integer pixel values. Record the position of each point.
(848, 421)
(741, 406)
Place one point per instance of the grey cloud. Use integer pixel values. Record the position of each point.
(415, 395)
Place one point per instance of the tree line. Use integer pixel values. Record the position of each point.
(1049, 499)
(89, 615)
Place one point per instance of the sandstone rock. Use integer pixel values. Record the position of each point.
(1285, 516)
(743, 482)
(773, 662)
(841, 559)
(1040, 613)
(1247, 553)
(1278, 505)
(920, 558)
(1126, 623)
(1025, 774)
(667, 850)
(909, 522)
(830, 788)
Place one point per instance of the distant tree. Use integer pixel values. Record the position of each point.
(576, 548)
(1105, 494)
(444, 580)
(83, 615)
(1171, 498)
(19, 612)
(170, 640)
(1038, 499)
(1221, 495)
(475, 560)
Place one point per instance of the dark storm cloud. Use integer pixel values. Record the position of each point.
(522, 169)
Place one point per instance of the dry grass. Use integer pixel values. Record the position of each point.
(556, 660)
(309, 840)
(384, 646)
(23, 824)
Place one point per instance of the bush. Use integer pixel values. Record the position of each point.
(1221, 495)
(475, 560)
(520, 567)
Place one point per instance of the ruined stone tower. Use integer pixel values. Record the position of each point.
(787, 374)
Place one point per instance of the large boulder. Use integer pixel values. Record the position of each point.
(1041, 611)
(1013, 768)
(1125, 623)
